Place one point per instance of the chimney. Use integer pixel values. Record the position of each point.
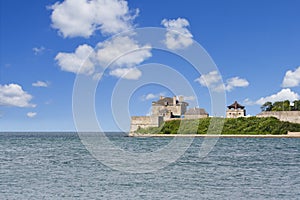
(181, 99)
(174, 101)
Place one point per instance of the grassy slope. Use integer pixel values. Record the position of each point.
(251, 125)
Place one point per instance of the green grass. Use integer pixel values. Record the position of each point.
(249, 126)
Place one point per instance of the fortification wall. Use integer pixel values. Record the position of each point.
(145, 122)
(289, 116)
(195, 116)
(172, 119)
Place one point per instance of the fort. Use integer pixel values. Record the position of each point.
(173, 108)
(165, 109)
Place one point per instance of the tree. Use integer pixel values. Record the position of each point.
(286, 105)
(267, 106)
(296, 105)
(281, 106)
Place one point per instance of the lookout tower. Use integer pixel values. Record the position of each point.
(235, 110)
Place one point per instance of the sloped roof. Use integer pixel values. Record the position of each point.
(166, 101)
(196, 111)
(236, 105)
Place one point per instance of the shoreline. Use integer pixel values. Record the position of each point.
(289, 135)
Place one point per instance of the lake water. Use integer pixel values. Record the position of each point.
(58, 166)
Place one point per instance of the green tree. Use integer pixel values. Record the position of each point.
(281, 106)
(267, 106)
(296, 106)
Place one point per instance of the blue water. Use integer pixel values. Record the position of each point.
(57, 166)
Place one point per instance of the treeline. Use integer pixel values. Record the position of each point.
(281, 106)
(242, 125)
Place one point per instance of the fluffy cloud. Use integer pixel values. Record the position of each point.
(124, 50)
(81, 62)
(152, 96)
(235, 82)
(177, 36)
(126, 73)
(210, 79)
(291, 78)
(40, 84)
(284, 94)
(249, 102)
(13, 95)
(97, 76)
(31, 114)
(82, 18)
(213, 81)
(38, 50)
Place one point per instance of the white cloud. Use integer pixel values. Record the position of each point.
(97, 76)
(81, 62)
(152, 96)
(213, 80)
(189, 98)
(13, 95)
(249, 102)
(284, 94)
(177, 36)
(291, 78)
(126, 73)
(124, 50)
(40, 84)
(38, 50)
(82, 18)
(235, 82)
(31, 114)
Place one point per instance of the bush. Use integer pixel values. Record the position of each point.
(251, 125)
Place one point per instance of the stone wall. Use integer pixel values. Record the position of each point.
(290, 116)
(195, 116)
(145, 122)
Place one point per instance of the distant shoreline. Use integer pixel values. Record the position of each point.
(289, 135)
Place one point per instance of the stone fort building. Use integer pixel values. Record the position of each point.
(166, 108)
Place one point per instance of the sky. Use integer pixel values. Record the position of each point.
(249, 52)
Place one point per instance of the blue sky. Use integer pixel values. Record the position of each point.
(254, 44)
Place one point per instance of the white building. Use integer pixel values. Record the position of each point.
(235, 110)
